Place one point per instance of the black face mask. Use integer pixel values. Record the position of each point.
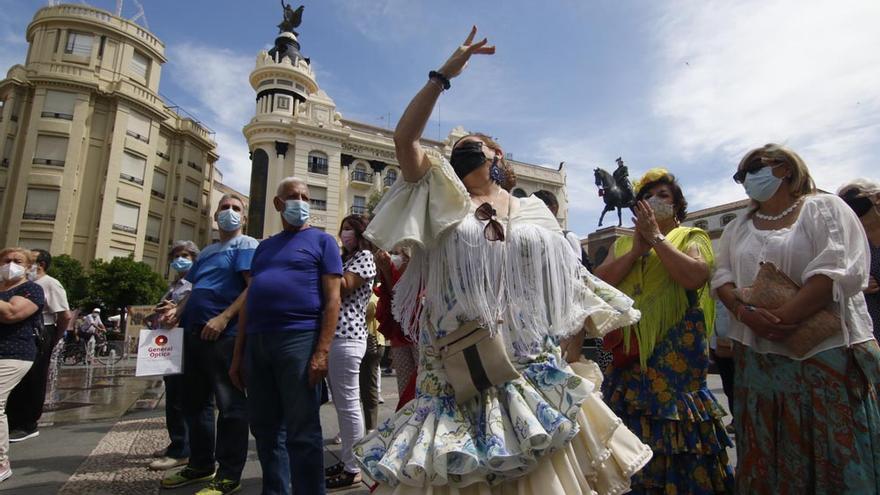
(467, 157)
(860, 205)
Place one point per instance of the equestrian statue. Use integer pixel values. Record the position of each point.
(615, 189)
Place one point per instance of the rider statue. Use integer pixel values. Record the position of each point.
(621, 177)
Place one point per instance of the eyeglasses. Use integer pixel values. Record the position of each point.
(740, 176)
(493, 231)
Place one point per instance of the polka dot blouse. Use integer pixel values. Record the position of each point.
(352, 315)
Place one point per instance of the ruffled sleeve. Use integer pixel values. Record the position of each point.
(418, 213)
(840, 247)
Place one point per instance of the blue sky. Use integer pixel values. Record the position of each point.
(689, 85)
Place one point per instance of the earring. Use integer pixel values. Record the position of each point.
(495, 174)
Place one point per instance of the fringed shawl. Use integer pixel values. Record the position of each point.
(663, 302)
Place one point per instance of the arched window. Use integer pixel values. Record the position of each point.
(519, 193)
(318, 163)
(726, 219)
(702, 224)
(390, 177)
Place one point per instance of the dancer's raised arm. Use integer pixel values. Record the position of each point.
(410, 156)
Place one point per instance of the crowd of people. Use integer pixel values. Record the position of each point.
(486, 304)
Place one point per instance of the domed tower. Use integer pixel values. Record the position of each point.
(293, 132)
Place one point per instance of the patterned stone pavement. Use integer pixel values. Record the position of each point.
(84, 453)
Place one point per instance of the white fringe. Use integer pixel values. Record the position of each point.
(543, 287)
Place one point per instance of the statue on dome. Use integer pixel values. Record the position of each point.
(292, 19)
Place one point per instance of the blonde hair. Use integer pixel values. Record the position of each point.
(29, 255)
(800, 182)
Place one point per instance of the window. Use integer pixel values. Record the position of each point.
(133, 168)
(154, 228)
(51, 150)
(140, 65)
(118, 253)
(32, 243)
(284, 82)
(519, 193)
(726, 219)
(195, 158)
(390, 177)
(360, 174)
(162, 148)
(41, 204)
(79, 44)
(318, 198)
(187, 232)
(125, 217)
(59, 105)
(160, 181)
(139, 127)
(7, 152)
(283, 103)
(702, 224)
(318, 163)
(190, 193)
(360, 206)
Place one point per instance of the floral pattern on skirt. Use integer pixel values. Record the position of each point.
(500, 435)
(810, 426)
(669, 407)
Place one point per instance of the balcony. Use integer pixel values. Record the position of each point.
(358, 210)
(318, 168)
(360, 177)
(318, 204)
(190, 202)
(158, 194)
(48, 161)
(194, 166)
(39, 216)
(132, 178)
(56, 115)
(125, 228)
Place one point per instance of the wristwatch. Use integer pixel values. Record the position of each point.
(657, 239)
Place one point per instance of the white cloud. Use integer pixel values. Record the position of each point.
(217, 80)
(382, 20)
(13, 45)
(736, 75)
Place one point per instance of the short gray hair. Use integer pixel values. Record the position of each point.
(231, 196)
(188, 246)
(289, 180)
(865, 187)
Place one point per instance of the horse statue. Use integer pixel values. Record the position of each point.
(616, 190)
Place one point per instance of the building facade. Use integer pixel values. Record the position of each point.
(297, 131)
(94, 164)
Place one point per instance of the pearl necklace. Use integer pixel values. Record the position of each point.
(773, 218)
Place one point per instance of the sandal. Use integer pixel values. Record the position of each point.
(342, 481)
(334, 470)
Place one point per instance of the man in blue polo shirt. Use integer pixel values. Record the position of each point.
(209, 318)
(285, 334)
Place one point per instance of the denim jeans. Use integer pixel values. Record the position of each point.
(284, 412)
(175, 419)
(206, 378)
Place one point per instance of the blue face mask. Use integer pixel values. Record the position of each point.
(181, 264)
(229, 220)
(761, 185)
(296, 212)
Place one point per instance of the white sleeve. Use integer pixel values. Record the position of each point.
(419, 212)
(723, 270)
(840, 246)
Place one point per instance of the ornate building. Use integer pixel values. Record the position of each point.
(94, 164)
(298, 131)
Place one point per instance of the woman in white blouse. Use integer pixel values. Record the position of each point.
(811, 423)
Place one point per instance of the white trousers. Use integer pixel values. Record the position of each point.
(11, 372)
(345, 364)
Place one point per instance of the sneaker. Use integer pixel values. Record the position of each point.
(220, 487)
(342, 481)
(5, 471)
(159, 453)
(186, 476)
(21, 435)
(165, 463)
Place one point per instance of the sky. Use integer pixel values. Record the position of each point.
(686, 85)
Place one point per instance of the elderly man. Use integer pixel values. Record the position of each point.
(287, 327)
(209, 317)
(25, 404)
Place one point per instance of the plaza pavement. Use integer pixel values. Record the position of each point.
(104, 448)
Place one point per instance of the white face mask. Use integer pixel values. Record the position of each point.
(32, 273)
(662, 210)
(11, 272)
(397, 260)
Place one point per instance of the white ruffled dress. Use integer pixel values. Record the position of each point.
(547, 431)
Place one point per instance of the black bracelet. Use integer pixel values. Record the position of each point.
(441, 78)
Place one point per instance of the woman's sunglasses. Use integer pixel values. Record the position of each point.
(740, 176)
(493, 231)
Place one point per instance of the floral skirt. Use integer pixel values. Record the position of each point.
(810, 426)
(545, 432)
(670, 408)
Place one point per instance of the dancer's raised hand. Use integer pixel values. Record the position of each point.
(459, 59)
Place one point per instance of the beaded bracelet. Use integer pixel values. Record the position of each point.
(443, 80)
